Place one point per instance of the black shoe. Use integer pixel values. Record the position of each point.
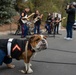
(49, 32)
(22, 36)
(59, 34)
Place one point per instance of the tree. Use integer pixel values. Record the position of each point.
(6, 10)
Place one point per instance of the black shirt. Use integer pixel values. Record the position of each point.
(49, 19)
(39, 20)
(71, 15)
(57, 18)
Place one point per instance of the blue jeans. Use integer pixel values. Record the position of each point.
(56, 29)
(69, 29)
(36, 29)
(4, 58)
(49, 28)
(24, 30)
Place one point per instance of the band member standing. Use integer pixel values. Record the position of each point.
(37, 22)
(24, 26)
(48, 23)
(56, 24)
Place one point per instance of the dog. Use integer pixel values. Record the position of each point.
(22, 49)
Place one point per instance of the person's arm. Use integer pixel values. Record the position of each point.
(60, 20)
(41, 16)
(69, 10)
(72, 10)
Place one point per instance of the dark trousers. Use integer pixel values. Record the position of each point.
(24, 28)
(4, 58)
(56, 28)
(49, 28)
(69, 29)
(36, 29)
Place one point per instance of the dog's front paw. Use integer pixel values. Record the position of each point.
(30, 64)
(26, 72)
(10, 66)
(22, 71)
(30, 70)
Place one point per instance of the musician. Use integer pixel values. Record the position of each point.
(48, 23)
(56, 24)
(24, 26)
(37, 22)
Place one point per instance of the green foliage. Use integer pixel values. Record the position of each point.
(8, 7)
(6, 10)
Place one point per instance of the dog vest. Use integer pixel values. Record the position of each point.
(17, 47)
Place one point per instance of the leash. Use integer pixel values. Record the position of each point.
(26, 47)
(26, 66)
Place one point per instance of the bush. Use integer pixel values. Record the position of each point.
(6, 10)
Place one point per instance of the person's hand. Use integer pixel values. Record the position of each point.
(68, 6)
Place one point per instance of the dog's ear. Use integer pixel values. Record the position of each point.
(45, 37)
(31, 38)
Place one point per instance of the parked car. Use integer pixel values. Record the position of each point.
(74, 26)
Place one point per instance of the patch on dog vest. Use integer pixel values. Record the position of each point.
(17, 48)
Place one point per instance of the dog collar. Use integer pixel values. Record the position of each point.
(30, 47)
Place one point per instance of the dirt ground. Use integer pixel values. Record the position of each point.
(8, 27)
(13, 27)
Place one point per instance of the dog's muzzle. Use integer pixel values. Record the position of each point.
(42, 45)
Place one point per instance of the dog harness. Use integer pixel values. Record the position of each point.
(13, 47)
